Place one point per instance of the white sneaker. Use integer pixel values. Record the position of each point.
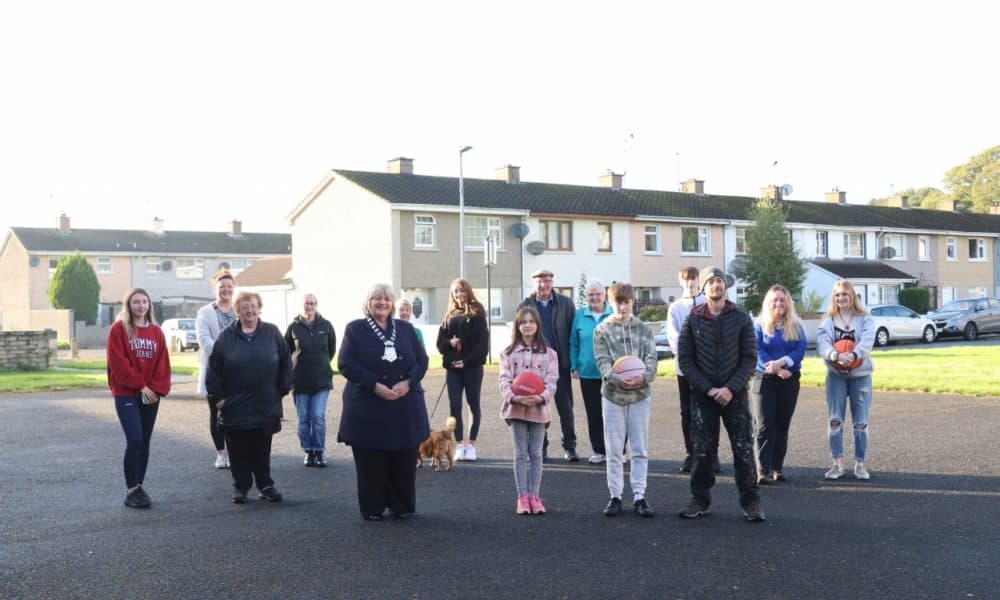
(221, 462)
(835, 472)
(470, 453)
(460, 453)
(860, 472)
(596, 459)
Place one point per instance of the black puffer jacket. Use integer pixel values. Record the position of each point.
(251, 374)
(474, 334)
(717, 352)
(312, 346)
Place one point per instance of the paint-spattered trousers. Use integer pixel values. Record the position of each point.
(705, 414)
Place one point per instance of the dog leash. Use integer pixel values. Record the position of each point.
(436, 402)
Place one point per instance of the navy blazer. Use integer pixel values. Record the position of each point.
(367, 421)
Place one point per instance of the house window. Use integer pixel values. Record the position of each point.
(898, 244)
(53, 263)
(924, 247)
(104, 265)
(423, 231)
(236, 265)
(557, 235)
(977, 249)
(153, 264)
(822, 244)
(951, 248)
(645, 294)
(888, 294)
(604, 237)
(566, 291)
(694, 240)
(741, 294)
(741, 241)
(977, 292)
(477, 228)
(854, 245)
(496, 301)
(651, 233)
(190, 268)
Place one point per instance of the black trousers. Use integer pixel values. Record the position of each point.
(249, 457)
(705, 413)
(469, 379)
(218, 438)
(684, 391)
(590, 389)
(386, 479)
(772, 404)
(564, 406)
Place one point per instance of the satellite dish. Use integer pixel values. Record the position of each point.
(535, 248)
(887, 252)
(737, 263)
(786, 190)
(519, 230)
(166, 265)
(34, 261)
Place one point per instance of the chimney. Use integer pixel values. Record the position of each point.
(157, 226)
(899, 201)
(236, 228)
(835, 196)
(693, 186)
(509, 173)
(770, 192)
(611, 180)
(63, 222)
(401, 166)
(994, 209)
(947, 206)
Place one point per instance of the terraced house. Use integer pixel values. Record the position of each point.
(358, 227)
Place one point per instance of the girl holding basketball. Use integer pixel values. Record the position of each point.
(622, 346)
(844, 340)
(526, 401)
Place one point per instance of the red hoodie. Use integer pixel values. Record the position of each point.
(142, 362)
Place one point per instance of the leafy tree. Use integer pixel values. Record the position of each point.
(771, 257)
(926, 197)
(75, 286)
(976, 183)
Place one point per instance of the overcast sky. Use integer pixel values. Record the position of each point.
(200, 112)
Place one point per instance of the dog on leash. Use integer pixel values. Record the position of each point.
(440, 445)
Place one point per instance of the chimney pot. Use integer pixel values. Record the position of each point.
(835, 196)
(401, 166)
(63, 222)
(693, 186)
(235, 228)
(611, 180)
(509, 173)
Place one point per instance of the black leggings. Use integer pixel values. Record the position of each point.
(469, 379)
(213, 425)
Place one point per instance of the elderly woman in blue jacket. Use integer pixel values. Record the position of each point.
(384, 418)
(774, 390)
(583, 365)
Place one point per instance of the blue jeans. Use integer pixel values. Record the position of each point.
(137, 420)
(838, 390)
(311, 409)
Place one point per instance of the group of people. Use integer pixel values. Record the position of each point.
(729, 369)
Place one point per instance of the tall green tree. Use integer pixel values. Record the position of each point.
(976, 183)
(75, 286)
(926, 197)
(771, 256)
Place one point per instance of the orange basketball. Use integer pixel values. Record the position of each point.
(843, 347)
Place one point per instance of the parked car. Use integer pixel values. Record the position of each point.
(180, 334)
(662, 344)
(968, 317)
(894, 322)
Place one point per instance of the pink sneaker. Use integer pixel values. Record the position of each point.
(524, 505)
(537, 508)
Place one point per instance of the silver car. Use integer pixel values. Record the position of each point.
(968, 317)
(180, 334)
(894, 322)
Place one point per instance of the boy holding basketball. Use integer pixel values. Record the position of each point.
(625, 353)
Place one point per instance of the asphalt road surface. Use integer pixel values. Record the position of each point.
(927, 525)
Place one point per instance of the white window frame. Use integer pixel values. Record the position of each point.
(924, 248)
(238, 265)
(822, 244)
(888, 293)
(951, 249)
(477, 227)
(741, 241)
(195, 270)
(704, 241)
(977, 253)
(153, 265)
(900, 250)
(652, 231)
(496, 302)
(861, 237)
(104, 266)
(601, 246)
(424, 224)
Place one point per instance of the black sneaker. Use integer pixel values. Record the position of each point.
(614, 508)
(270, 494)
(135, 499)
(753, 513)
(765, 478)
(318, 459)
(694, 510)
(686, 466)
(642, 508)
(309, 460)
(239, 496)
(144, 498)
(571, 456)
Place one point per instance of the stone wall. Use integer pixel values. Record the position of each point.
(27, 350)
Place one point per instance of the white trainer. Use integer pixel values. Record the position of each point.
(835, 472)
(221, 462)
(860, 472)
(460, 453)
(596, 459)
(470, 453)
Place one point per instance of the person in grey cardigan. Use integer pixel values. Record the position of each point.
(212, 319)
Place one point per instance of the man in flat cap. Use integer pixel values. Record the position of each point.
(556, 312)
(717, 350)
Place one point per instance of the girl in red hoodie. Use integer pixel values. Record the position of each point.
(138, 375)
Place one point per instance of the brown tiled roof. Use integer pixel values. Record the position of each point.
(266, 271)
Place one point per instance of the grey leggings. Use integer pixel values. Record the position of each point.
(528, 438)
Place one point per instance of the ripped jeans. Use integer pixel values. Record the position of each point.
(838, 389)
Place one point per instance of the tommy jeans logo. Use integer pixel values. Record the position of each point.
(143, 348)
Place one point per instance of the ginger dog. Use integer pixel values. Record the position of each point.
(439, 445)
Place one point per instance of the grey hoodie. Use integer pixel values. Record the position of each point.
(614, 339)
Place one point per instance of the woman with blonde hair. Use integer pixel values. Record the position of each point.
(848, 374)
(138, 375)
(774, 390)
(463, 341)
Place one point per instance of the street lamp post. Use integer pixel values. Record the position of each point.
(461, 213)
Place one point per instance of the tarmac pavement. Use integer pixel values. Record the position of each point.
(927, 525)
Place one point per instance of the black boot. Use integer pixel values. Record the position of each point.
(318, 459)
(310, 459)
